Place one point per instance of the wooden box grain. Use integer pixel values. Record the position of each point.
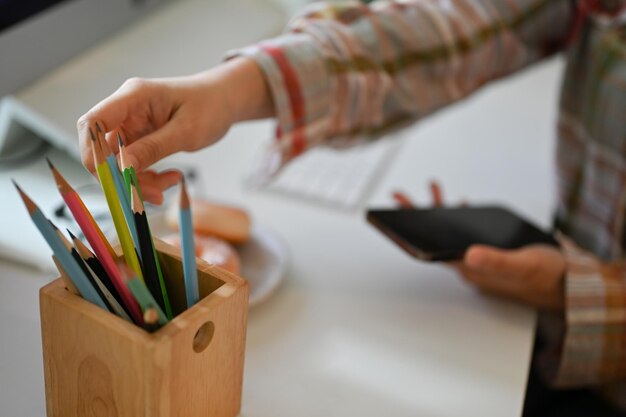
(97, 364)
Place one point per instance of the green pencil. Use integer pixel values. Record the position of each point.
(141, 293)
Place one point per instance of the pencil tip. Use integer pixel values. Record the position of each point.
(71, 234)
(98, 127)
(120, 142)
(50, 163)
(30, 204)
(93, 137)
(184, 197)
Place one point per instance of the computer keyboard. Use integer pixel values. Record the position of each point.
(340, 178)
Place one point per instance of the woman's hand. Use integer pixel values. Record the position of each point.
(533, 274)
(159, 117)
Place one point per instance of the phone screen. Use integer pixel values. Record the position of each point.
(446, 233)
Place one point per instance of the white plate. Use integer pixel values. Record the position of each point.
(264, 262)
(264, 258)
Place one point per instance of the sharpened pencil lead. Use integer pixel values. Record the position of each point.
(98, 127)
(49, 163)
(93, 137)
(30, 204)
(120, 142)
(71, 234)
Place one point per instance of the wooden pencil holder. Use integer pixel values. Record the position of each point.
(97, 364)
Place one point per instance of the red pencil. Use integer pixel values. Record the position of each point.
(76, 206)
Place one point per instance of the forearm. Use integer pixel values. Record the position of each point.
(242, 86)
(349, 68)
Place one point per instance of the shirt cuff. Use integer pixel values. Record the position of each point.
(593, 350)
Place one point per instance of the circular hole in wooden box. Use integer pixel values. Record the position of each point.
(203, 336)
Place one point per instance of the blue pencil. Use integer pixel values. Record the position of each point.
(188, 248)
(71, 268)
(120, 188)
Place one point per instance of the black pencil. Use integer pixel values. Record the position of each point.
(92, 261)
(151, 275)
(81, 264)
(98, 277)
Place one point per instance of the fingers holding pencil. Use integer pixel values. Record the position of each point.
(152, 183)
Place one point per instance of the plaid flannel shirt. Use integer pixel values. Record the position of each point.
(349, 68)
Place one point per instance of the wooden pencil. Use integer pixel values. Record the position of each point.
(107, 257)
(141, 293)
(151, 320)
(81, 264)
(152, 276)
(102, 289)
(96, 267)
(69, 285)
(188, 247)
(128, 171)
(118, 182)
(78, 209)
(72, 269)
(130, 177)
(113, 201)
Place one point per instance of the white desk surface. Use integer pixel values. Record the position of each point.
(359, 328)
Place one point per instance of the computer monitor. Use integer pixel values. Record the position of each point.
(39, 35)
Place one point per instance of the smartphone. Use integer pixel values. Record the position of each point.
(444, 234)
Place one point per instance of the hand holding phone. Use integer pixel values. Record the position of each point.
(491, 248)
(438, 234)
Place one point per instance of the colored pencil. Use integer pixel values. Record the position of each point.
(151, 320)
(86, 290)
(120, 188)
(116, 307)
(152, 276)
(99, 246)
(188, 247)
(113, 201)
(102, 279)
(130, 176)
(81, 264)
(141, 292)
(69, 285)
(78, 209)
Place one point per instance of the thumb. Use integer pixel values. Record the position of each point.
(491, 259)
(145, 151)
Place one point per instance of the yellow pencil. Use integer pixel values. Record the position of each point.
(113, 201)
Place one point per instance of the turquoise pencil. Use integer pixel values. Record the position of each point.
(188, 247)
(73, 270)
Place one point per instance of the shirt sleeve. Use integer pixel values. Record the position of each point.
(349, 70)
(592, 348)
